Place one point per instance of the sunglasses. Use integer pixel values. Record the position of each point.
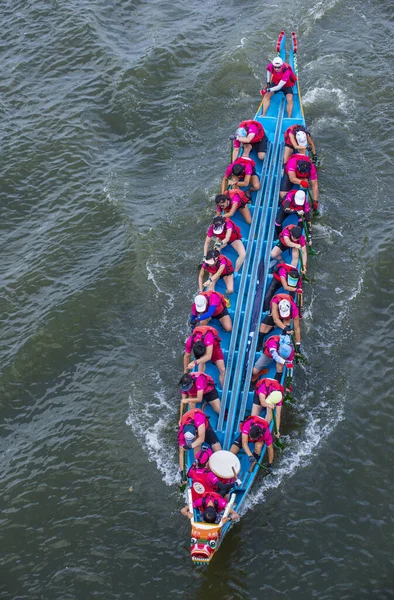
(277, 68)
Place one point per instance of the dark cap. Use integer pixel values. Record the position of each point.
(186, 382)
(199, 349)
(209, 515)
(296, 232)
(256, 431)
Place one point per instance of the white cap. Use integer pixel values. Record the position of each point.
(209, 261)
(274, 397)
(299, 198)
(277, 62)
(284, 308)
(301, 138)
(241, 132)
(218, 228)
(189, 436)
(201, 303)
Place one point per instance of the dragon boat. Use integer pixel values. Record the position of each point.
(246, 311)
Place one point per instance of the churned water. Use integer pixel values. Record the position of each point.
(114, 138)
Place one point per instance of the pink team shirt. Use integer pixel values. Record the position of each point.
(199, 420)
(209, 340)
(284, 76)
(214, 300)
(272, 343)
(291, 165)
(266, 390)
(252, 128)
(266, 437)
(283, 273)
(293, 308)
(286, 233)
(229, 171)
(222, 503)
(229, 226)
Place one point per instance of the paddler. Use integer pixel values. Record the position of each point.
(252, 135)
(211, 506)
(294, 202)
(210, 305)
(283, 313)
(280, 78)
(230, 202)
(241, 174)
(218, 267)
(299, 170)
(197, 388)
(291, 144)
(205, 344)
(269, 393)
(285, 276)
(277, 348)
(291, 238)
(194, 430)
(228, 233)
(254, 430)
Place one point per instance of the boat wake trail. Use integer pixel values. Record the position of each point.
(300, 450)
(158, 415)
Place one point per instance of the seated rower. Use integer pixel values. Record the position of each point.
(205, 344)
(291, 237)
(285, 276)
(203, 479)
(299, 170)
(241, 174)
(252, 135)
(211, 507)
(229, 233)
(294, 202)
(263, 394)
(284, 312)
(291, 144)
(199, 387)
(256, 430)
(218, 267)
(230, 202)
(209, 305)
(194, 430)
(280, 78)
(277, 348)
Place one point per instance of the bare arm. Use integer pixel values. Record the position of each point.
(217, 275)
(186, 359)
(224, 184)
(245, 182)
(201, 276)
(206, 245)
(192, 399)
(245, 444)
(200, 438)
(293, 178)
(315, 189)
(297, 330)
(278, 410)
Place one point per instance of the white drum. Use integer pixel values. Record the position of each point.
(223, 463)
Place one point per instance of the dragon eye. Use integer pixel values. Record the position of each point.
(193, 541)
(212, 543)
